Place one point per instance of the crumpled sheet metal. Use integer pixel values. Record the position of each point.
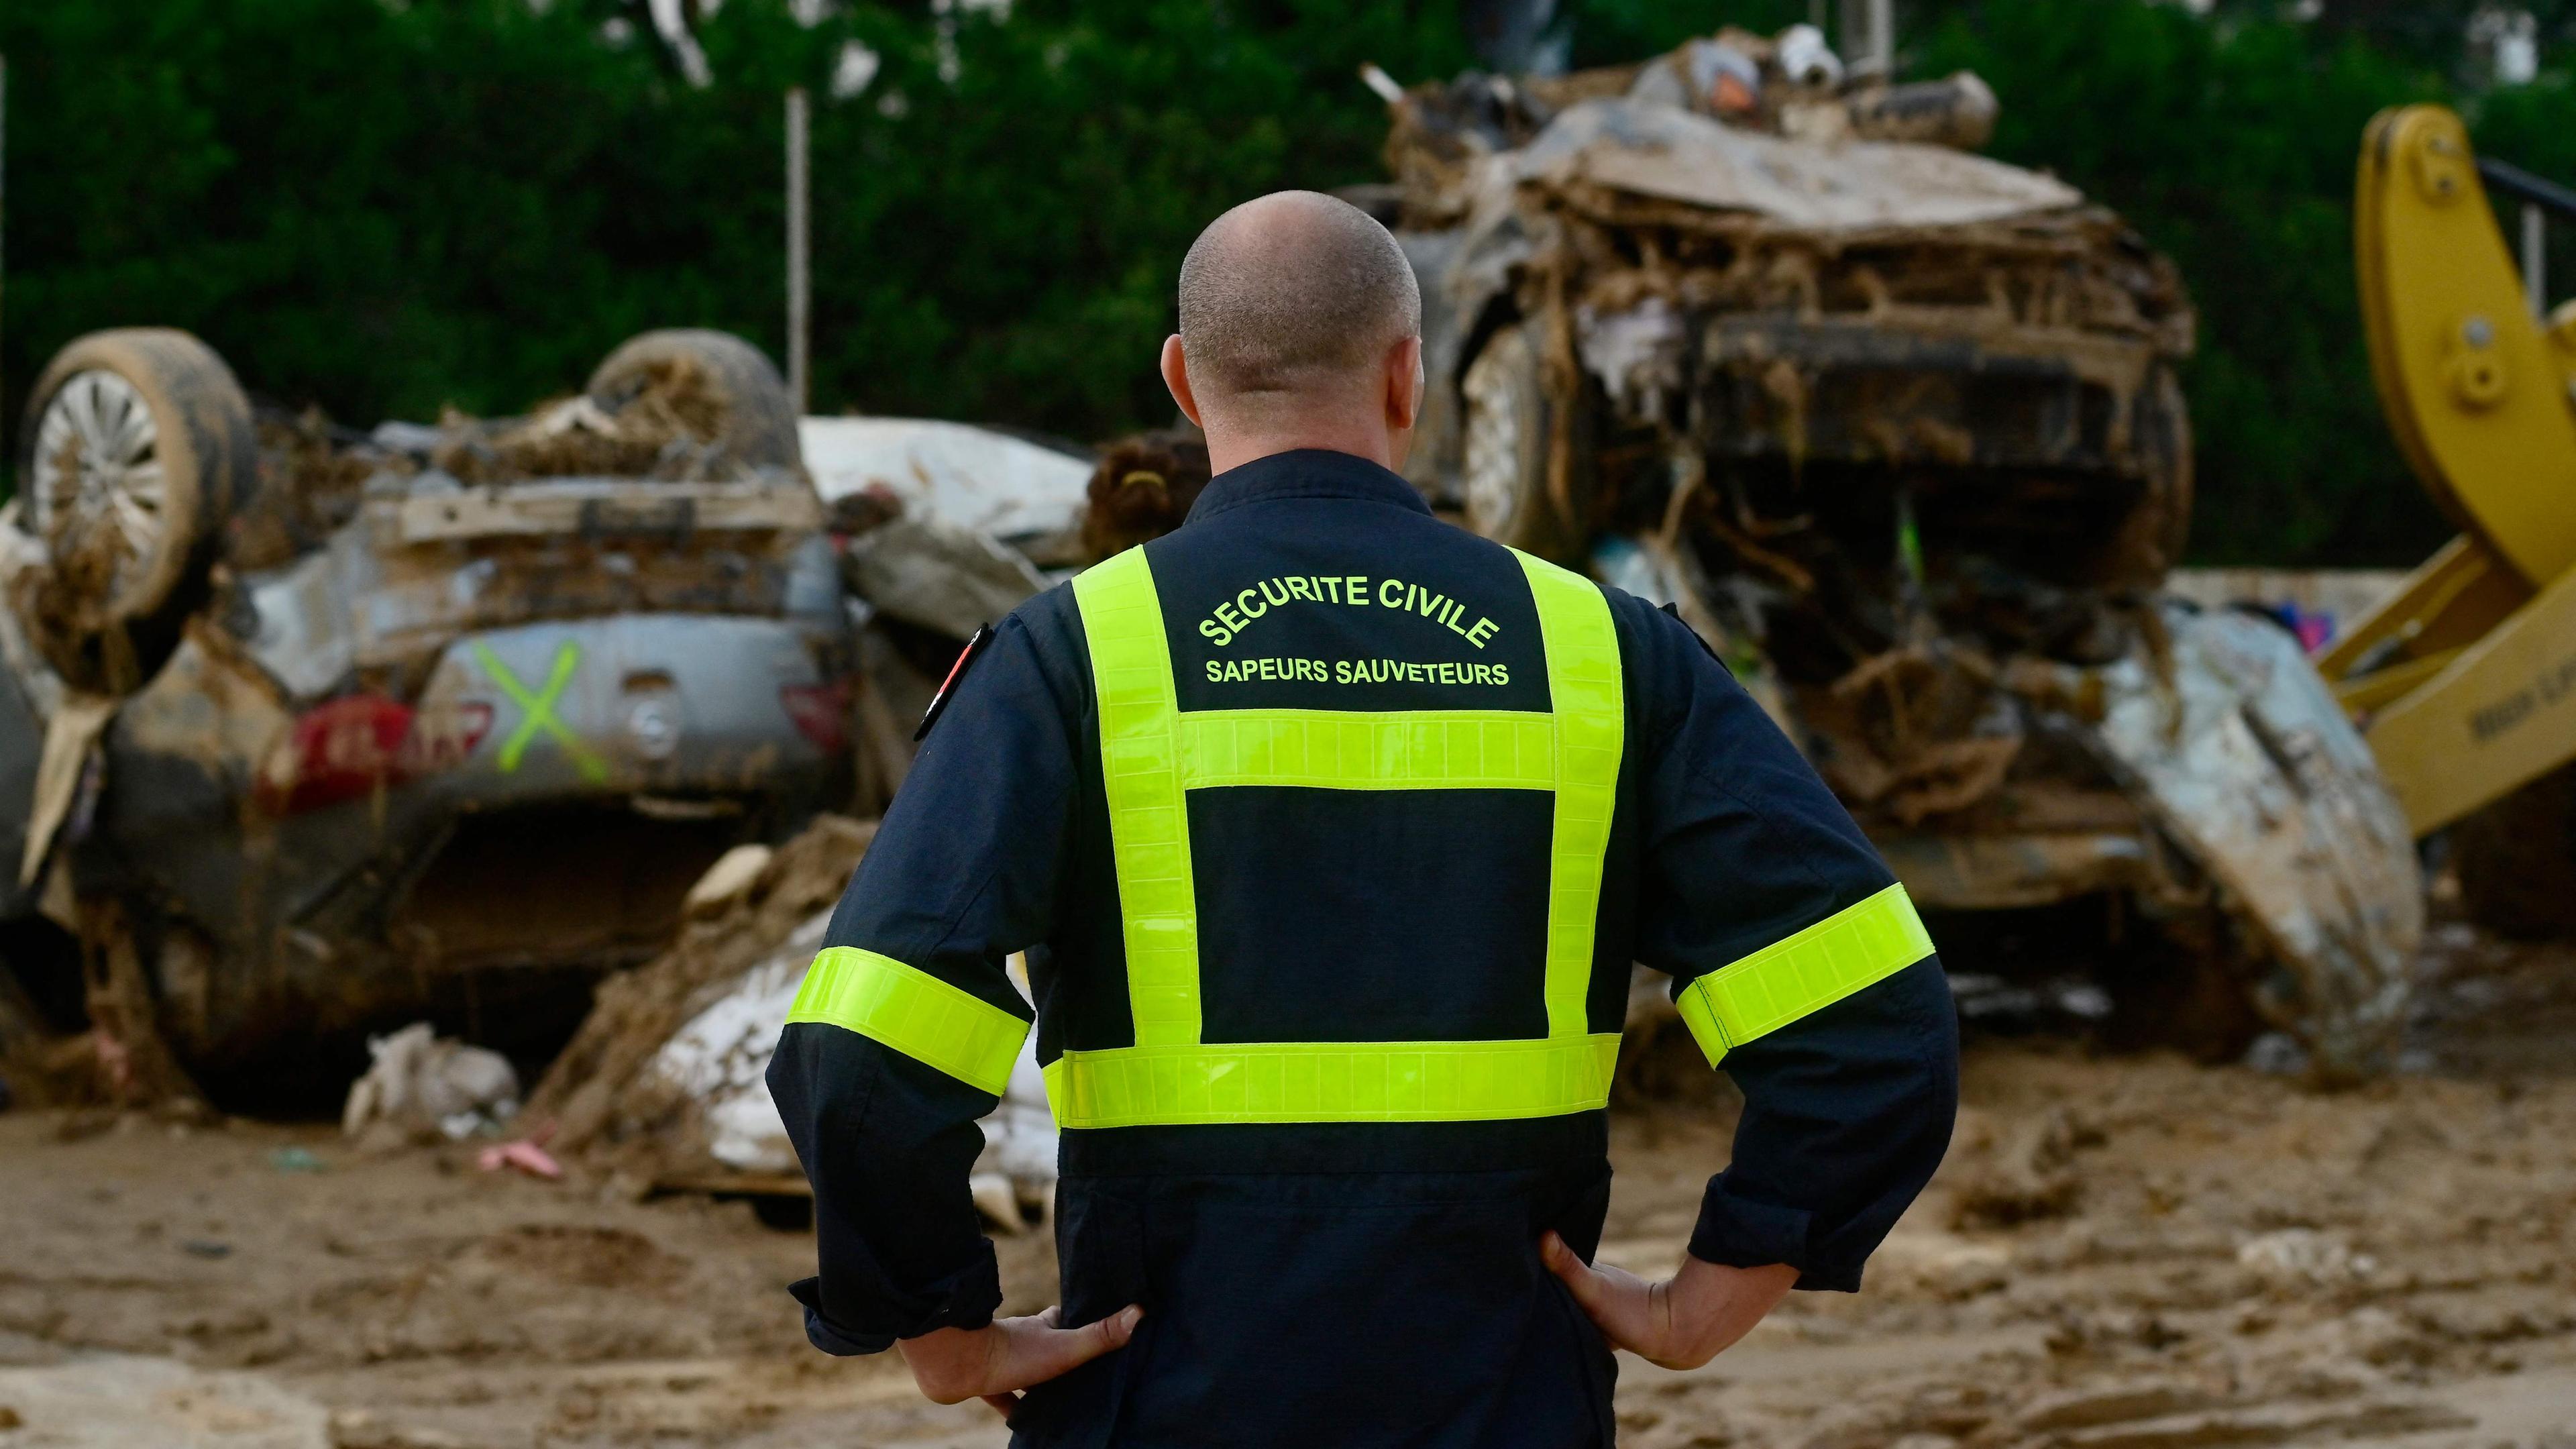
(929, 572)
(69, 734)
(1674, 155)
(967, 477)
(2244, 759)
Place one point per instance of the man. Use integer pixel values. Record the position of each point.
(1331, 832)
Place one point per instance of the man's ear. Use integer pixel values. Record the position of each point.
(1176, 376)
(1404, 384)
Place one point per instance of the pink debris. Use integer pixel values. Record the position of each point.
(524, 1155)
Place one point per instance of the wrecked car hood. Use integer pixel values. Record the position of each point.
(1673, 155)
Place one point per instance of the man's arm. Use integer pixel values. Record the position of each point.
(1751, 869)
(906, 1029)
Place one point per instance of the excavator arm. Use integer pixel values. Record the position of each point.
(2464, 679)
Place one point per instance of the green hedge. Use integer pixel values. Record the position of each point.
(386, 206)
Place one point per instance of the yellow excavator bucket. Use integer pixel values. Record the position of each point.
(2472, 384)
(2465, 677)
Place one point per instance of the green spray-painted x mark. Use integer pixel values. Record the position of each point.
(537, 711)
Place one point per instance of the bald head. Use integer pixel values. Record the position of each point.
(1292, 300)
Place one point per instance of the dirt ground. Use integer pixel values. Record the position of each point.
(2121, 1253)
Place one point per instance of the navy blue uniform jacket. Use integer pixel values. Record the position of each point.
(1363, 1283)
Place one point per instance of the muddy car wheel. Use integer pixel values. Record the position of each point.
(1508, 428)
(718, 387)
(139, 442)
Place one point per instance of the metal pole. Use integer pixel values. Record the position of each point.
(2535, 259)
(799, 283)
(1868, 35)
(4, 220)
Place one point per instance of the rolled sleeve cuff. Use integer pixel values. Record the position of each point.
(964, 1299)
(1739, 1232)
(824, 1334)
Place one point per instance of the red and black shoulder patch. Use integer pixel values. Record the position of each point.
(966, 658)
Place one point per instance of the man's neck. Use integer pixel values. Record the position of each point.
(1233, 447)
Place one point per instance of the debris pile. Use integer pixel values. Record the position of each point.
(668, 431)
(611, 1105)
(665, 1084)
(668, 417)
(314, 473)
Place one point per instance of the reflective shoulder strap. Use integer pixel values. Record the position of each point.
(1140, 764)
(914, 1012)
(1584, 691)
(1852, 948)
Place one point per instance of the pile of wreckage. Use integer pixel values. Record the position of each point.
(1894, 427)
(1897, 428)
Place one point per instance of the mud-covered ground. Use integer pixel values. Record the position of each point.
(2121, 1253)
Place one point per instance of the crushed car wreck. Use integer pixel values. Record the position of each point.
(1897, 429)
(307, 731)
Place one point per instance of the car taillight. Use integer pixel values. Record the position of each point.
(821, 713)
(344, 748)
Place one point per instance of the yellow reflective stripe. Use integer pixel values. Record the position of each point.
(1415, 1081)
(1149, 825)
(1591, 718)
(1467, 749)
(914, 1012)
(1815, 968)
(1152, 754)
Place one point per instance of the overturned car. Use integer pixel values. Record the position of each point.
(305, 731)
(1897, 429)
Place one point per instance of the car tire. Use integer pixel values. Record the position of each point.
(1507, 427)
(2516, 860)
(138, 444)
(744, 405)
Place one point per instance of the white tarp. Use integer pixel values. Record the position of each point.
(969, 477)
(721, 1059)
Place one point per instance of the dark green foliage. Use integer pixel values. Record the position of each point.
(386, 206)
(1617, 32)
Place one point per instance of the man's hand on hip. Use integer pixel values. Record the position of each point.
(995, 1362)
(1679, 1323)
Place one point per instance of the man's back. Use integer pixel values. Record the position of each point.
(1331, 833)
(1380, 1258)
